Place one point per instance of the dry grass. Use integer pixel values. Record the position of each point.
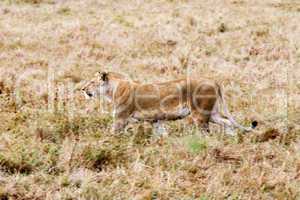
(252, 46)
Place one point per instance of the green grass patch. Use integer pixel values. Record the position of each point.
(196, 144)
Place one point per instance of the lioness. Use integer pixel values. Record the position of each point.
(157, 102)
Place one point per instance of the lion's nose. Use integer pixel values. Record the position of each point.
(89, 94)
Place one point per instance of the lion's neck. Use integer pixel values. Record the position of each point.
(119, 89)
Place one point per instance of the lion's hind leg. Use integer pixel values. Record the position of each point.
(218, 119)
(200, 120)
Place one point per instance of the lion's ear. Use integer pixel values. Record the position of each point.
(104, 76)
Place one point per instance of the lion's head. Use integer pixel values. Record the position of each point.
(100, 84)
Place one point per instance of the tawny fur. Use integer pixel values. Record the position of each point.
(161, 101)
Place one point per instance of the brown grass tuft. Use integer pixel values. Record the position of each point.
(268, 135)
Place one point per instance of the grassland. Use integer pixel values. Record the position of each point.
(52, 148)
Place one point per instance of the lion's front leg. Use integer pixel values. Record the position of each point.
(119, 125)
(120, 118)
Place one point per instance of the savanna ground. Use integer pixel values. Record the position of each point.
(52, 148)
